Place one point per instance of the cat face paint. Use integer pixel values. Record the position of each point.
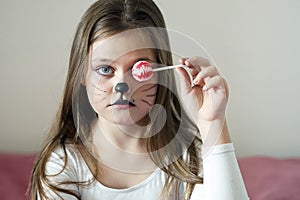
(111, 64)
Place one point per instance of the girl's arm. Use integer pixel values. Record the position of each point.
(206, 102)
(221, 173)
(222, 177)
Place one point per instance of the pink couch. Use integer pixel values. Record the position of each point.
(265, 178)
(268, 178)
(15, 172)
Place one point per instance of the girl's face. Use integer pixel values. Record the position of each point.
(112, 91)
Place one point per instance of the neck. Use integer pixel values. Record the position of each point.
(126, 137)
(120, 144)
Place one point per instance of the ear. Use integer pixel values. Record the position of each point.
(82, 81)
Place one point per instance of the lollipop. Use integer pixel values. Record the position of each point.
(143, 71)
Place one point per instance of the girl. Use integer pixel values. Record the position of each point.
(118, 138)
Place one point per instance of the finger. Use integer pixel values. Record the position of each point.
(182, 60)
(194, 70)
(214, 82)
(184, 80)
(205, 72)
(197, 62)
(184, 74)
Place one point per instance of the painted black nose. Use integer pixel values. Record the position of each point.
(122, 87)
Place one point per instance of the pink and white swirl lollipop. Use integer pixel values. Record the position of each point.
(143, 71)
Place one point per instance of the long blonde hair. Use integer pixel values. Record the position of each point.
(75, 115)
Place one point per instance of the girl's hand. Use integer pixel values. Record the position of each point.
(206, 101)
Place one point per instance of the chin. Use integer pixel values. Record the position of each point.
(123, 122)
(130, 120)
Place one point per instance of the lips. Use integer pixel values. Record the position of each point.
(122, 102)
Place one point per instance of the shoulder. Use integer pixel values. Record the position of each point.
(64, 160)
(65, 153)
(61, 172)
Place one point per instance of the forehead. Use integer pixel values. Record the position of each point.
(122, 43)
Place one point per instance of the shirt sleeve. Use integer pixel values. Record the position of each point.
(222, 179)
(56, 175)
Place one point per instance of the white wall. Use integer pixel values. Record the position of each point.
(35, 38)
(256, 45)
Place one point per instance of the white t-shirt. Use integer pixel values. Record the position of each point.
(222, 179)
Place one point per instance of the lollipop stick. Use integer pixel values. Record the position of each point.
(176, 66)
(166, 68)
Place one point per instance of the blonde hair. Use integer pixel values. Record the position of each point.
(75, 115)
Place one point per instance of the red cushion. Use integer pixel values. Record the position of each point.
(270, 178)
(15, 173)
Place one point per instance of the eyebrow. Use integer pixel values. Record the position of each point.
(144, 58)
(106, 60)
(102, 60)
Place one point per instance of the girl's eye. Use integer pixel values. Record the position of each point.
(105, 70)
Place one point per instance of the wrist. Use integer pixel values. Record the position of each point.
(214, 132)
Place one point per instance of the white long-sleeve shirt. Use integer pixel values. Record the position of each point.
(222, 179)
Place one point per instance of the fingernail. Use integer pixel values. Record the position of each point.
(196, 80)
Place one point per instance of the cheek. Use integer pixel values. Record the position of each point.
(97, 91)
(146, 95)
(104, 85)
(95, 83)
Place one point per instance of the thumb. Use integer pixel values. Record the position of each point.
(183, 80)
